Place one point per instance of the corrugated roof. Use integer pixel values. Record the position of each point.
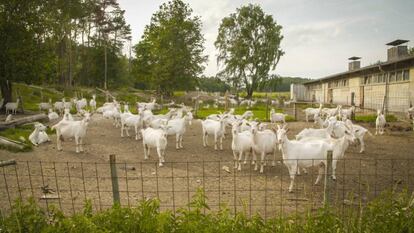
(337, 75)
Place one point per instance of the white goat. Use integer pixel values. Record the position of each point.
(380, 123)
(214, 128)
(155, 138)
(12, 107)
(9, 118)
(67, 115)
(359, 133)
(92, 103)
(72, 129)
(131, 120)
(300, 154)
(339, 146)
(277, 117)
(242, 143)
(81, 104)
(39, 135)
(60, 105)
(312, 112)
(347, 113)
(264, 142)
(52, 115)
(318, 133)
(45, 106)
(332, 111)
(176, 127)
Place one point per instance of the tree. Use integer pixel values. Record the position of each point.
(249, 47)
(170, 53)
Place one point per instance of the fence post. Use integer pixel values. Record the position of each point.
(114, 179)
(328, 178)
(294, 111)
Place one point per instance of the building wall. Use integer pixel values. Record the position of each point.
(400, 93)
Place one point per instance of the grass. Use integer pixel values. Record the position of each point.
(258, 110)
(372, 117)
(391, 212)
(20, 134)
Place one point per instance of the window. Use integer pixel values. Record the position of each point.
(392, 77)
(399, 76)
(406, 75)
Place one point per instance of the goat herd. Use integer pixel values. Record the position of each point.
(335, 132)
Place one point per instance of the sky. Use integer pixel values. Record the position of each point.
(319, 35)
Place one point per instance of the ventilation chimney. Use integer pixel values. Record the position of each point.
(354, 63)
(397, 51)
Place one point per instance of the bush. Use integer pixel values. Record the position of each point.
(390, 212)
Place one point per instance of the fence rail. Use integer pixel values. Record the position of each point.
(68, 184)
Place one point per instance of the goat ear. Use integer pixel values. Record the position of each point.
(278, 127)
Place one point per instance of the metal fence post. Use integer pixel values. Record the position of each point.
(114, 179)
(328, 178)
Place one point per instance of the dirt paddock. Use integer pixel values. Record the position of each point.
(387, 163)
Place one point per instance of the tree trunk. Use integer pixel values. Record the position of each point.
(249, 92)
(6, 92)
(106, 69)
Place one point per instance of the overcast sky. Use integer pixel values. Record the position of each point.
(319, 35)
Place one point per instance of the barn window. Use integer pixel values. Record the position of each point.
(406, 75)
(392, 77)
(399, 76)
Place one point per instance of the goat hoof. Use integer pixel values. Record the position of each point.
(290, 191)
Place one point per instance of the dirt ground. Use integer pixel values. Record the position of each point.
(387, 163)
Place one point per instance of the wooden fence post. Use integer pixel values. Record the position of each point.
(114, 178)
(294, 111)
(328, 178)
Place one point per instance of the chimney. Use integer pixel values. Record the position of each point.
(354, 63)
(398, 50)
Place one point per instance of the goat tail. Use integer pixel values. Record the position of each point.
(370, 134)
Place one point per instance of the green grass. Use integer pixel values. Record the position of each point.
(372, 117)
(259, 112)
(17, 134)
(391, 212)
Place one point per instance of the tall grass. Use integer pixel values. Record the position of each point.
(390, 212)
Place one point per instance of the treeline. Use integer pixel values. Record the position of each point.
(68, 43)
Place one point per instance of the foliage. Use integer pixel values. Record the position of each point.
(372, 117)
(390, 212)
(249, 47)
(169, 56)
(62, 42)
(212, 84)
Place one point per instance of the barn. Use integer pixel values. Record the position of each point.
(389, 83)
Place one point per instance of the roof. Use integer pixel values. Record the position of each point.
(397, 42)
(337, 75)
(354, 58)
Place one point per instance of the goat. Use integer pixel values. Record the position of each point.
(264, 142)
(9, 118)
(380, 123)
(72, 129)
(45, 106)
(81, 104)
(332, 111)
(214, 128)
(155, 138)
(176, 127)
(277, 117)
(92, 103)
(12, 107)
(319, 133)
(67, 115)
(300, 154)
(52, 115)
(39, 135)
(130, 120)
(347, 113)
(359, 133)
(242, 143)
(60, 105)
(339, 146)
(312, 112)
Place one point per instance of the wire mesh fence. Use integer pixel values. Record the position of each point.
(67, 185)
